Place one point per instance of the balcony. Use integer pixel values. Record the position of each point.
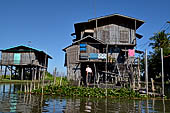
(95, 57)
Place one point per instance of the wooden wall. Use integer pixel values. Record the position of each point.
(73, 72)
(26, 58)
(116, 34)
(92, 48)
(72, 54)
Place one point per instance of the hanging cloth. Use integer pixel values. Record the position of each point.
(131, 52)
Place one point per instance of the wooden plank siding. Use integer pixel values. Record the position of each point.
(74, 72)
(92, 48)
(26, 58)
(72, 54)
(73, 68)
(115, 34)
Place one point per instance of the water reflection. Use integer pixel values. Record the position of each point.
(11, 101)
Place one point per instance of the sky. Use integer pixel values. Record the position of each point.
(48, 24)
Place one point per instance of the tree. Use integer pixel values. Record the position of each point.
(159, 40)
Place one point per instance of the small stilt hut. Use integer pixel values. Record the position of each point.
(24, 62)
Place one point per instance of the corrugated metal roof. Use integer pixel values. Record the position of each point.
(82, 40)
(107, 16)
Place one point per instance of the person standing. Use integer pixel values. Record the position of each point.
(89, 75)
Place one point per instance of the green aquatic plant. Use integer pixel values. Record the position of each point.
(86, 91)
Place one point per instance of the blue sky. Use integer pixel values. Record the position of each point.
(49, 23)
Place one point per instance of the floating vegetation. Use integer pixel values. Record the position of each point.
(86, 92)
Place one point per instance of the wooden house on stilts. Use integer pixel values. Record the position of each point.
(107, 45)
(24, 62)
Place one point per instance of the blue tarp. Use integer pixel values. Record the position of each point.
(83, 45)
(93, 56)
(82, 49)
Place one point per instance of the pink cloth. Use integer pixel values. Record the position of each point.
(131, 52)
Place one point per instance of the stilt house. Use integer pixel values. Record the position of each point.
(24, 62)
(107, 45)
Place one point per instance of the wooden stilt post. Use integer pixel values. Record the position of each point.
(20, 90)
(41, 75)
(31, 87)
(61, 79)
(153, 87)
(5, 72)
(25, 88)
(106, 67)
(35, 73)
(162, 73)
(1, 71)
(95, 75)
(139, 85)
(15, 71)
(30, 76)
(34, 85)
(22, 73)
(9, 89)
(39, 72)
(4, 88)
(11, 73)
(146, 71)
(43, 82)
(54, 74)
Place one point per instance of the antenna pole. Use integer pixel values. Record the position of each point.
(95, 16)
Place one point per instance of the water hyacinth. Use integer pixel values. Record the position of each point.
(86, 92)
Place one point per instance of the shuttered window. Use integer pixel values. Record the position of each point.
(124, 36)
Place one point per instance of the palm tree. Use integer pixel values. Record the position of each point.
(159, 40)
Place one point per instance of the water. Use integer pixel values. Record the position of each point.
(11, 101)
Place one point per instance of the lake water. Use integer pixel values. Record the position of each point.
(11, 101)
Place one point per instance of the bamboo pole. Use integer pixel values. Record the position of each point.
(106, 67)
(153, 87)
(31, 87)
(95, 74)
(1, 72)
(146, 71)
(11, 73)
(162, 73)
(54, 74)
(25, 89)
(61, 80)
(22, 73)
(44, 72)
(43, 82)
(139, 85)
(35, 73)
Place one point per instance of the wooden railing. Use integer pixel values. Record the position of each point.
(92, 56)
